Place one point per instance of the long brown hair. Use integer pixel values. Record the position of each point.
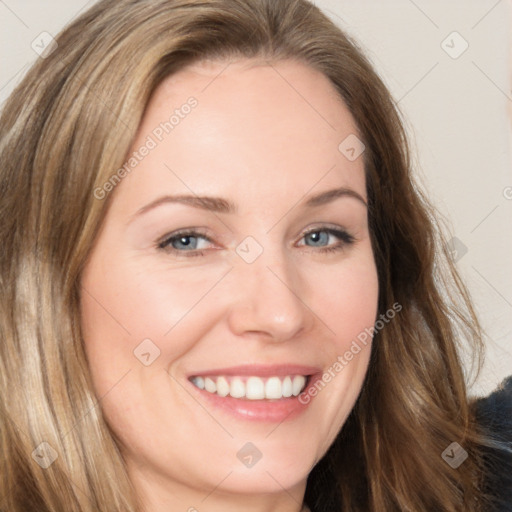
(68, 127)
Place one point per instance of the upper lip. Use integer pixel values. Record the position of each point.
(259, 370)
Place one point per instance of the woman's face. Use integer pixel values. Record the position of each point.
(235, 254)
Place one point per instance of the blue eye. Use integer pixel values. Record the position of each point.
(186, 243)
(315, 236)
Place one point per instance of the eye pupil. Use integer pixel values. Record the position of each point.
(183, 241)
(316, 236)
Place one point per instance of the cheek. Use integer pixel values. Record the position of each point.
(350, 309)
(125, 299)
(348, 299)
(347, 303)
(128, 311)
(134, 299)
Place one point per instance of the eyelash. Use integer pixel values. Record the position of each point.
(346, 239)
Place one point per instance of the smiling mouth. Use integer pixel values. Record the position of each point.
(252, 387)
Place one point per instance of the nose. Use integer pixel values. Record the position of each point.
(269, 298)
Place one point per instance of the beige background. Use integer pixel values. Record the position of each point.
(456, 105)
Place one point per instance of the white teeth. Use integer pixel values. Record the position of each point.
(209, 385)
(237, 388)
(298, 384)
(252, 388)
(273, 388)
(199, 382)
(287, 387)
(222, 386)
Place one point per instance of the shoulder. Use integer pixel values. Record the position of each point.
(494, 413)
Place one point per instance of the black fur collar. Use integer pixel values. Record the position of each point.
(494, 412)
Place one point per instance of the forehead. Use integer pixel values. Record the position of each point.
(254, 124)
(284, 92)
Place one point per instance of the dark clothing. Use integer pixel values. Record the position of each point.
(494, 412)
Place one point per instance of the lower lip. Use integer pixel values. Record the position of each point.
(272, 411)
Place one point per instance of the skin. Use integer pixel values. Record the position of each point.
(265, 136)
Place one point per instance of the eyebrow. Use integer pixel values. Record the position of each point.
(220, 205)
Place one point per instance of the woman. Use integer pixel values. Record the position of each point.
(172, 336)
